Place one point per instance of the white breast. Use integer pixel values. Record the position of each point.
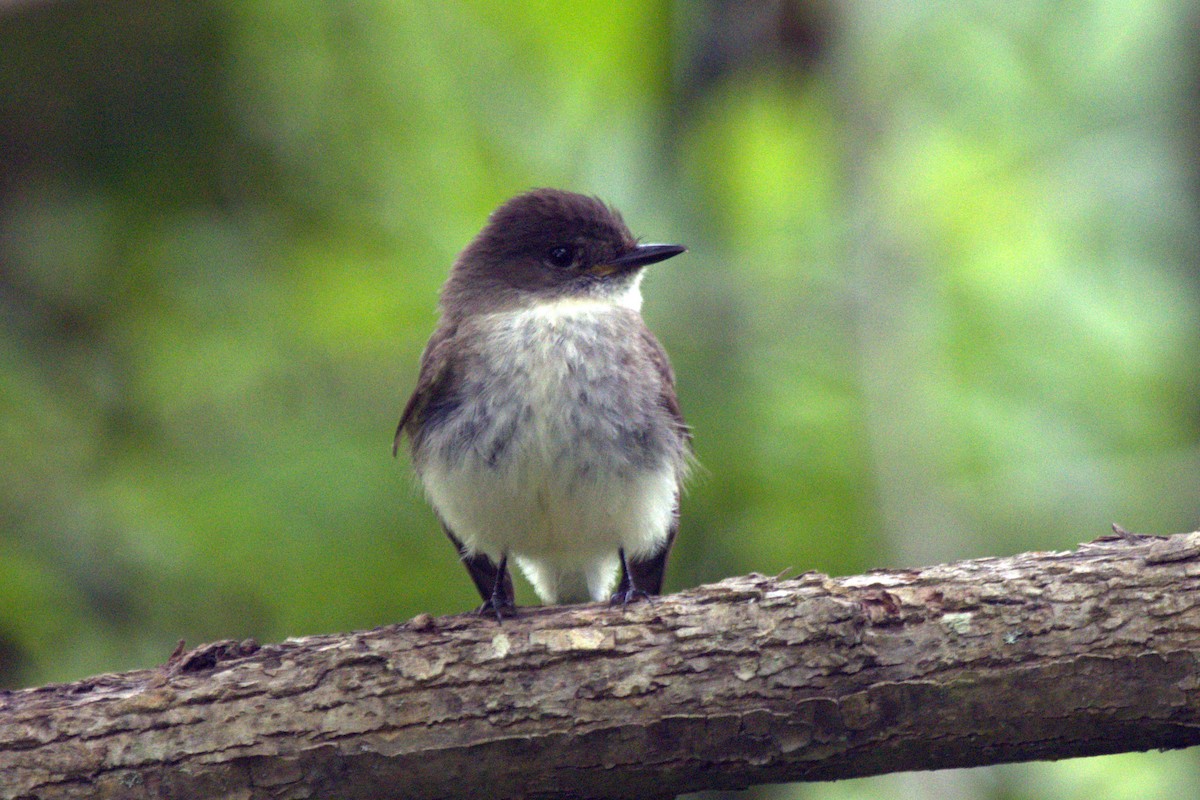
(554, 489)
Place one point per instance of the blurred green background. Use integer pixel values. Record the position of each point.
(941, 299)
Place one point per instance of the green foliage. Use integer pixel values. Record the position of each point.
(940, 298)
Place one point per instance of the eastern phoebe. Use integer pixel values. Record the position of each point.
(545, 425)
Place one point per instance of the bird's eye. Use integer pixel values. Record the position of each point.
(561, 257)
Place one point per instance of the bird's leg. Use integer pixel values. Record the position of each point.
(492, 581)
(501, 600)
(626, 589)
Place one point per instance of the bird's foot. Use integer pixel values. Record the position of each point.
(500, 606)
(627, 595)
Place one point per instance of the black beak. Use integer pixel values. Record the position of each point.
(646, 254)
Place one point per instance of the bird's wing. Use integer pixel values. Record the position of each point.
(434, 372)
(666, 397)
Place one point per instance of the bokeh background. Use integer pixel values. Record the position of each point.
(941, 300)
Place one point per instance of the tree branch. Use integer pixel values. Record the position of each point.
(750, 680)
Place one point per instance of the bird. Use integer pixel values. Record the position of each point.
(545, 426)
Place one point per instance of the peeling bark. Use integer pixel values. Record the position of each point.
(750, 680)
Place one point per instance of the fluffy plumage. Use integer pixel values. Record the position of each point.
(544, 424)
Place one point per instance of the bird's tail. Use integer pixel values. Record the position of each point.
(560, 584)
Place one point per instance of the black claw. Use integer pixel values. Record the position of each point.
(501, 600)
(626, 591)
(502, 608)
(626, 596)
(492, 580)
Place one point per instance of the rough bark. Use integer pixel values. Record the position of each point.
(753, 679)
